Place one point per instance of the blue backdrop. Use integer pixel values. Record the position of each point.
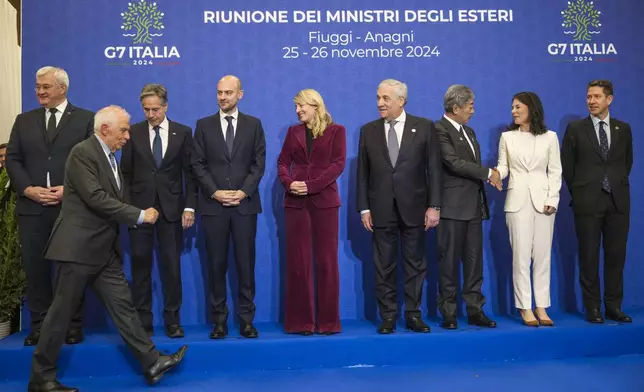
(517, 46)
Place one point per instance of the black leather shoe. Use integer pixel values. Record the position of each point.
(32, 338)
(481, 320)
(248, 331)
(174, 331)
(618, 315)
(387, 326)
(219, 331)
(49, 386)
(74, 336)
(594, 316)
(416, 324)
(164, 364)
(449, 323)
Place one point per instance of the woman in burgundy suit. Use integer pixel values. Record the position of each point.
(312, 158)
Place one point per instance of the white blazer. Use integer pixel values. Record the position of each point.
(541, 177)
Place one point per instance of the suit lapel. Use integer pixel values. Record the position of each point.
(300, 136)
(409, 133)
(456, 135)
(589, 129)
(41, 126)
(102, 159)
(536, 155)
(517, 149)
(143, 141)
(240, 133)
(174, 142)
(220, 136)
(67, 115)
(614, 137)
(318, 141)
(381, 133)
(476, 154)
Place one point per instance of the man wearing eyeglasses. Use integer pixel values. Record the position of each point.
(38, 147)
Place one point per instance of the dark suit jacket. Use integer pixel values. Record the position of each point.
(584, 166)
(463, 176)
(319, 170)
(216, 169)
(32, 152)
(143, 182)
(415, 182)
(88, 224)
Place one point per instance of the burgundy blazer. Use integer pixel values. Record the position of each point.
(319, 170)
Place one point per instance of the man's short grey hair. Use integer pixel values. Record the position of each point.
(108, 115)
(59, 74)
(399, 87)
(457, 95)
(155, 90)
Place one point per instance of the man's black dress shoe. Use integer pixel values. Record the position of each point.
(481, 320)
(32, 338)
(416, 324)
(49, 386)
(594, 316)
(449, 323)
(174, 331)
(219, 331)
(387, 326)
(618, 315)
(74, 336)
(164, 364)
(248, 331)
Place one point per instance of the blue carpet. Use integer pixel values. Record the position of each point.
(103, 355)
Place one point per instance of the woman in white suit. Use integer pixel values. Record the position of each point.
(529, 154)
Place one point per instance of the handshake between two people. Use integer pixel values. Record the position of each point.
(495, 179)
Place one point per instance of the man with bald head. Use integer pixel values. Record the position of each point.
(228, 159)
(85, 243)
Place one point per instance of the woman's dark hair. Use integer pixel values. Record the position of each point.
(535, 112)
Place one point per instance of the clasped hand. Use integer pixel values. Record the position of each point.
(49, 196)
(229, 198)
(299, 188)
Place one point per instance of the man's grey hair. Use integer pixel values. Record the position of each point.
(457, 95)
(59, 74)
(108, 115)
(155, 90)
(399, 87)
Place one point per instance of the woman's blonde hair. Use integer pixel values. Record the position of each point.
(322, 118)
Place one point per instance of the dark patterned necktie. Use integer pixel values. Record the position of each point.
(603, 147)
(230, 134)
(51, 123)
(157, 149)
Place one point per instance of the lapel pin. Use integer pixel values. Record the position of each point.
(413, 130)
(616, 127)
(174, 134)
(460, 138)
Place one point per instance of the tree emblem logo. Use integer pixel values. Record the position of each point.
(581, 16)
(142, 16)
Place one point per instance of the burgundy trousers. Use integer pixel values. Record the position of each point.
(312, 253)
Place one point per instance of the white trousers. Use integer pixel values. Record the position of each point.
(531, 234)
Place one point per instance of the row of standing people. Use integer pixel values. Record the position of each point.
(412, 175)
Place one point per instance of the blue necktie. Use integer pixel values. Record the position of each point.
(603, 147)
(115, 170)
(230, 134)
(157, 149)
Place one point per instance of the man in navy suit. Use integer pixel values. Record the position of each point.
(39, 145)
(228, 160)
(157, 173)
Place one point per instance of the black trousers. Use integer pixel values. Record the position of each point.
(170, 238)
(458, 241)
(218, 229)
(34, 234)
(385, 251)
(111, 287)
(609, 228)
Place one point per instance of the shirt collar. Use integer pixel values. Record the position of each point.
(400, 119)
(235, 114)
(596, 120)
(61, 108)
(165, 125)
(106, 149)
(454, 123)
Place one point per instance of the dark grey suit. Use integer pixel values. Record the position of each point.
(459, 234)
(85, 242)
(32, 155)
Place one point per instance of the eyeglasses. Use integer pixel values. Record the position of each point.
(43, 87)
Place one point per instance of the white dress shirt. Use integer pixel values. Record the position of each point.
(461, 129)
(59, 114)
(606, 121)
(224, 122)
(115, 172)
(163, 132)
